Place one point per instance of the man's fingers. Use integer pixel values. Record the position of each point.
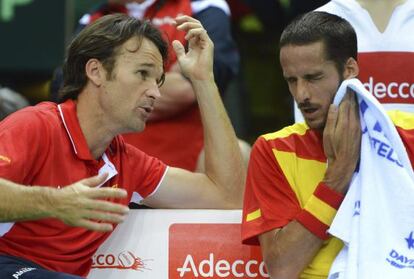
(104, 216)
(354, 122)
(331, 118)
(106, 192)
(94, 226)
(197, 32)
(329, 130)
(188, 25)
(355, 106)
(94, 180)
(179, 49)
(346, 101)
(107, 206)
(344, 111)
(185, 18)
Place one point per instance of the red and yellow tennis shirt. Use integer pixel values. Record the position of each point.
(44, 145)
(285, 168)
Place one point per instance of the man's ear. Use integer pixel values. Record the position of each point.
(95, 71)
(351, 69)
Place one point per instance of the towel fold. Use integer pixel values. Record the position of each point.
(376, 219)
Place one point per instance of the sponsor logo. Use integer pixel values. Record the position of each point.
(388, 75)
(400, 260)
(410, 241)
(222, 268)
(22, 271)
(124, 260)
(212, 251)
(357, 208)
(5, 158)
(384, 150)
(393, 90)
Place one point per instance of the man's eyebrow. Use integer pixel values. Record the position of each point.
(150, 65)
(313, 75)
(287, 76)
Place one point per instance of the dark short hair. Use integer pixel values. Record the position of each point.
(102, 40)
(337, 34)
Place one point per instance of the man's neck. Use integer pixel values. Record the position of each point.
(92, 122)
(380, 11)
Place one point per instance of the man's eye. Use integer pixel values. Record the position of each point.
(143, 73)
(315, 78)
(290, 80)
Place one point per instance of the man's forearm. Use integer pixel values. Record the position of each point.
(223, 159)
(289, 250)
(19, 202)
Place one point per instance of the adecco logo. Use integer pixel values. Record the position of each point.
(124, 260)
(212, 251)
(389, 76)
(391, 90)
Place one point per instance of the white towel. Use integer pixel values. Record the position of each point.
(376, 219)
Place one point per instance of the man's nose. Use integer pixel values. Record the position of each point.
(302, 91)
(153, 91)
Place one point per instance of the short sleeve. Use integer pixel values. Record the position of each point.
(146, 171)
(269, 201)
(23, 138)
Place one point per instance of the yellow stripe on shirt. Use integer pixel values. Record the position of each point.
(253, 215)
(302, 175)
(402, 119)
(298, 128)
(321, 210)
(6, 159)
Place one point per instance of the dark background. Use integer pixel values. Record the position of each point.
(34, 38)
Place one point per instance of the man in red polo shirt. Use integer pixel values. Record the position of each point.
(112, 75)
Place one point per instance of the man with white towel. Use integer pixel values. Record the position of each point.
(298, 176)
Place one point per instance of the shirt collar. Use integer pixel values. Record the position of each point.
(67, 112)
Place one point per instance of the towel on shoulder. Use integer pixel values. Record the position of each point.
(376, 218)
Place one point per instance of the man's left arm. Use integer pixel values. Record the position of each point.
(222, 183)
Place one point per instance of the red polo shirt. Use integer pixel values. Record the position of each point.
(44, 145)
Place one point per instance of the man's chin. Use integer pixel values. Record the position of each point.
(315, 124)
(140, 128)
(136, 128)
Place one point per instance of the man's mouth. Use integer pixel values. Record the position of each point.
(309, 110)
(147, 107)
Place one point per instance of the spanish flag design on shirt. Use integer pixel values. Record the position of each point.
(284, 170)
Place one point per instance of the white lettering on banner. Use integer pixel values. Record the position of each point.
(393, 90)
(222, 268)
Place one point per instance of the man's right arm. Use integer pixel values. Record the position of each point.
(23, 137)
(288, 250)
(79, 204)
